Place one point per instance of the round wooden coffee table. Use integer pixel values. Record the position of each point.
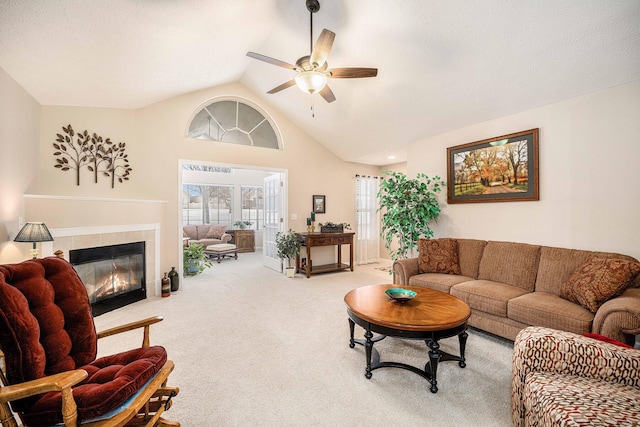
(430, 316)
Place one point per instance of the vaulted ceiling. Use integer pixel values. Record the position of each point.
(442, 64)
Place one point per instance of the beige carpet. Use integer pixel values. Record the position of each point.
(253, 348)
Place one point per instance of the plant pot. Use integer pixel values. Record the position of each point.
(290, 271)
(195, 259)
(192, 267)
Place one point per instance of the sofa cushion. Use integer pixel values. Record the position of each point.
(439, 282)
(438, 256)
(510, 263)
(598, 279)
(551, 311)
(485, 295)
(215, 231)
(191, 231)
(469, 256)
(557, 264)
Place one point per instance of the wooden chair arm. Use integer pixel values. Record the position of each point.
(42, 385)
(59, 382)
(145, 323)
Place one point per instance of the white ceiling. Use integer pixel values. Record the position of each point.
(442, 64)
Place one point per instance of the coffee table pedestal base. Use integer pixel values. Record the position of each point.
(430, 338)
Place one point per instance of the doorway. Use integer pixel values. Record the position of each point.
(229, 194)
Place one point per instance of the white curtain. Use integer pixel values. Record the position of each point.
(367, 220)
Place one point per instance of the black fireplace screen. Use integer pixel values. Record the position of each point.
(113, 275)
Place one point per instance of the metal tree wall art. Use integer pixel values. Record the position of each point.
(98, 155)
(71, 154)
(115, 154)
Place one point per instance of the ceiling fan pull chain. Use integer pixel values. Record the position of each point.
(313, 111)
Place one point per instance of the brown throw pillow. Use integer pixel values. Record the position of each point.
(597, 280)
(215, 231)
(438, 256)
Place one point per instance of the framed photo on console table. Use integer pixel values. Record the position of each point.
(500, 169)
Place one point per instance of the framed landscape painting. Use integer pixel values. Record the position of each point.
(501, 169)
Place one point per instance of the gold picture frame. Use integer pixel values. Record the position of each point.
(500, 169)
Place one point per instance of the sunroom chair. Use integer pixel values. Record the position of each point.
(563, 379)
(49, 343)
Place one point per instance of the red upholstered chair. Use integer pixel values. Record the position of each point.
(49, 343)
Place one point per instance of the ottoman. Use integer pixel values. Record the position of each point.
(222, 250)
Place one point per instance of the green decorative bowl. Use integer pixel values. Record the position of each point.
(400, 295)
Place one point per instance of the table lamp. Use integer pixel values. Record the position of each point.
(34, 232)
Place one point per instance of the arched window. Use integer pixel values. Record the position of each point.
(234, 122)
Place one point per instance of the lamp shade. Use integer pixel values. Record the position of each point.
(34, 232)
(311, 81)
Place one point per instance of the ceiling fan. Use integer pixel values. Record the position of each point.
(312, 70)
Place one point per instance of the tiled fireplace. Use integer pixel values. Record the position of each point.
(114, 275)
(102, 278)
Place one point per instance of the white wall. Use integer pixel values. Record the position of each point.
(20, 151)
(589, 176)
(155, 141)
(589, 151)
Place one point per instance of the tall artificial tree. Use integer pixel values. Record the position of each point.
(408, 206)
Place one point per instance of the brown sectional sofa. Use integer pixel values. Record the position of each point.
(198, 234)
(510, 286)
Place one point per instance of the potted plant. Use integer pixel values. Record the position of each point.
(242, 224)
(409, 205)
(288, 247)
(195, 260)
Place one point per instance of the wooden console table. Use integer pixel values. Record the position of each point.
(244, 240)
(310, 240)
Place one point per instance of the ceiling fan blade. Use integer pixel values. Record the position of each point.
(353, 73)
(327, 94)
(282, 86)
(270, 60)
(322, 48)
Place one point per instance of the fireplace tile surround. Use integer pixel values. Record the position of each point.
(66, 239)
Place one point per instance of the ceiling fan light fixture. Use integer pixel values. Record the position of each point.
(311, 81)
(312, 70)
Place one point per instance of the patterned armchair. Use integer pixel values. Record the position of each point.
(561, 378)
